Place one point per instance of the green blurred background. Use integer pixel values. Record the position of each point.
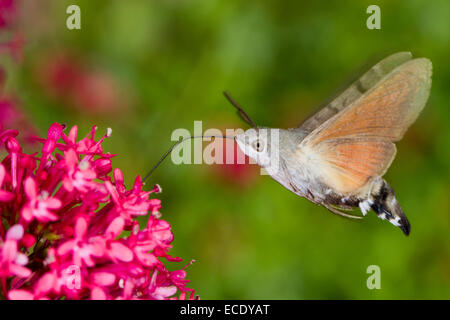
(149, 67)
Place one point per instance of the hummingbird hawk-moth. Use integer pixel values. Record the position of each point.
(338, 156)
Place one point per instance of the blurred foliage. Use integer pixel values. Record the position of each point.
(172, 59)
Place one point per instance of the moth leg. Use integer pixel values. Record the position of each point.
(340, 213)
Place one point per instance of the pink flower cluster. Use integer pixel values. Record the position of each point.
(70, 231)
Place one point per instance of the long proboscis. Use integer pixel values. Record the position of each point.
(174, 146)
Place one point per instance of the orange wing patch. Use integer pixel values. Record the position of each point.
(349, 165)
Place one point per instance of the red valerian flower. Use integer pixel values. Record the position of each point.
(12, 261)
(63, 220)
(38, 207)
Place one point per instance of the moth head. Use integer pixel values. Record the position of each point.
(255, 144)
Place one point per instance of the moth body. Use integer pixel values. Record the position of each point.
(337, 157)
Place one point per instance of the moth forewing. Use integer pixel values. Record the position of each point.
(393, 105)
(356, 90)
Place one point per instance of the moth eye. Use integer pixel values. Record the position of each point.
(258, 146)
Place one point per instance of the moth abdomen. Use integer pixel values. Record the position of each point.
(383, 202)
(347, 202)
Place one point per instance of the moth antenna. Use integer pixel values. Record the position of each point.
(241, 111)
(173, 147)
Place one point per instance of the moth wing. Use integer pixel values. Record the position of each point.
(357, 144)
(355, 90)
